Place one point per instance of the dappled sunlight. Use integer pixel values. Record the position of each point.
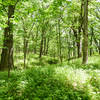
(53, 81)
(75, 76)
(93, 63)
(66, 79)
(49, 49)
(94, 59)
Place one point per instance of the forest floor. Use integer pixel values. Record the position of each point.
(43, 81)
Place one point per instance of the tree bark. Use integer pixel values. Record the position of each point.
(44, 49)
(47, 46)
(25, 50)
(99, 46)
(85, 33)
(7, 51)
(78, 41)
(41, 45)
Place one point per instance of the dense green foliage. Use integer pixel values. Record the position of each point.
(67, 81)
(49, 49)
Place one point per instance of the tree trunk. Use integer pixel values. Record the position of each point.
(47, 46)
(79, 49)
(25, 50)
(91, 42)
(79, 43)
(60, 49)
(44, 49)
(41, 45)
(85, 33)
(69, 46)
(99, 46)
(35, 48)
(74, 49)
(7, 51)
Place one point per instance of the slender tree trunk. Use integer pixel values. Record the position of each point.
(79, 43)
(79, 49)
(99, 46)
(60, 49)
(25, 50)
(44, 49)
(91, 42)
(47, 46)
(41, 45)
(7, 51)
(74, 49)
(57, 38)
(69, 51)
(69, 46)
(85, 33)
(35, 49)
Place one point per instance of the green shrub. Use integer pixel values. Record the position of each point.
(52, 61)
(71, 81)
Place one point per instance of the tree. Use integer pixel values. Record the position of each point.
(7, 51)
(85, 31)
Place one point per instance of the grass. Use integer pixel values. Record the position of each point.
(32, 60)
(67, 81)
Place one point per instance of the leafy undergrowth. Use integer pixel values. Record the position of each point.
(71, 81)
(33, 60)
